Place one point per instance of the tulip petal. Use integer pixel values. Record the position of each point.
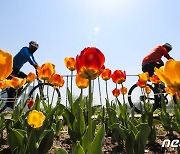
(170, 71)
(162, 76)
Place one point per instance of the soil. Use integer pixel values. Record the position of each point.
(112, 147)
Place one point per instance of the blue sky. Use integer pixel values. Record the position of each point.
(124, 30)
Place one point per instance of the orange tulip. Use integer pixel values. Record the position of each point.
(147, 89)
(70, 63)
(57, 80)
(106, 74)
(116, 92)
(144, 77)
(123, 90)
(89, 63)
(46, 71)
(118, 76)
(141, 84)
(31, 77)
(154, 79)
(6, 61)
(81, 82)
(30, 103)
(3, 85)
(16, 82)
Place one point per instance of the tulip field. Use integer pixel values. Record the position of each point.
(79, 126)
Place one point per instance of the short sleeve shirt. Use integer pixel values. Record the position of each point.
(156, 54)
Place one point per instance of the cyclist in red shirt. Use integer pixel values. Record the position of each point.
(153, 59)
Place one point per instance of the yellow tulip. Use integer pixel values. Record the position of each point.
(35, 119)
(147, 89)
(170, 73)
(123, 91)
(46, 71)
(70, 63)
(31, 77)
(144, 77)
(6, 61)
(81, 82)
(16, 82)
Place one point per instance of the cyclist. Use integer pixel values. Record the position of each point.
(153, 59)
(23, 56)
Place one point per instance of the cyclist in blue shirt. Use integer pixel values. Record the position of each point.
(23, 56)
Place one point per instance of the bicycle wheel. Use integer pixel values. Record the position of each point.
(137, 96)
(49, 94)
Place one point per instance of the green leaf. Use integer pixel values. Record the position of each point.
(76, 104)
(59, 150)
(15, 138)
(32, 142)
(81, 121)
(96, 145)
(59, 125)
(107, 103)
(112, 115)
(133, 127)
(77, 149)
(119, 132)
(141, 138)
(69, 118)
(46, 141)
(129, 143)
(16, 113)
(156, 122)
(37, 103)
(84, 141)
(69, 97)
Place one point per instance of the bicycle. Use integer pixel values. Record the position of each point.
(137, 96)
(45, 90)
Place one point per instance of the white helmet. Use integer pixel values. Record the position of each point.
(167, 46)
(34, 44)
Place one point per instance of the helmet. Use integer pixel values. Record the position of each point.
(167, 46)
(34, 44)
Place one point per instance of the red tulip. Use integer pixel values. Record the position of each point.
(118, 76)
(30, 103)
(89, 63)
(116, 92)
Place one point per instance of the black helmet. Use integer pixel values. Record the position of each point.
(167, 46)
(34, 44)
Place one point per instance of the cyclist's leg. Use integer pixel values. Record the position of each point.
(21, 75)
(148, 67)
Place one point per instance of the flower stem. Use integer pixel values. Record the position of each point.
(16, 95)
(28, 141)
(66, 91)
(123, 93)
(71, 87)
(52, 97)
(107, 91)
(89, 119)
(100, 92)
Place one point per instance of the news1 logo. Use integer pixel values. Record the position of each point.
(174, 143)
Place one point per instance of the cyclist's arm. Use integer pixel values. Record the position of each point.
(29, 57)
(166, 54)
